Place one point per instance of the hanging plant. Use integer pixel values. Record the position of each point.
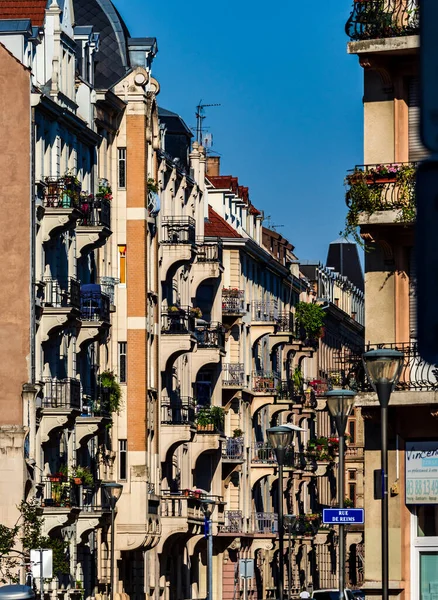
(107, 380)
(309, 318)
(152, 185)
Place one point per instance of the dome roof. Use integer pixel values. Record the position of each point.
(112, 60)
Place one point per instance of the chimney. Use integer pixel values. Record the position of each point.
(213, 166)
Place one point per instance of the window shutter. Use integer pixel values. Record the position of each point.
(416, 149)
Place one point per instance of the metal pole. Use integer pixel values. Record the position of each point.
(341, 492)
(210, 561)
(385, 544)
(113, 507)
(280, 529)
(289, 572)
(41, 575)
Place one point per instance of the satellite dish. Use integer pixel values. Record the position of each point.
(207, 140)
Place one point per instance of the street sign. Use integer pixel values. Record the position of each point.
(342, 516)
(426, 260)
(429, 74)
(35, 562)
(246, 568)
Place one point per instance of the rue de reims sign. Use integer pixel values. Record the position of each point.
(422, 472)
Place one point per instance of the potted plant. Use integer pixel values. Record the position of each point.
(107, 380)
(196, 312)
(152, 185)
(83, 475)
(237, 433)
(309, 318)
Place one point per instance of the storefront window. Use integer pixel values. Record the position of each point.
(427, 522)
(428, 575)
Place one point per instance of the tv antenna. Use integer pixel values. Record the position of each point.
(270, 225)
(200, 116)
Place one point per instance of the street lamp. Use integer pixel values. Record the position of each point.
(383, 368)
(340, 404)
(290, 521)
(280, 438)
(113, 491)
(207, 507)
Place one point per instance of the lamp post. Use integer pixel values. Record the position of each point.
(340, 404)
(280, 438)
(113, 492)
(290, 521)
(383, 368)
(207, 507)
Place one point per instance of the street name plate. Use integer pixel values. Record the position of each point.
(342, 516)
(429, 73)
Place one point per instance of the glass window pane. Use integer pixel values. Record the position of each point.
(427, 522)
(428, 575)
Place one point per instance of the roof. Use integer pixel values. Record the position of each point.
(34, 10)
(174, 123)
(216, 226)
(112, 60)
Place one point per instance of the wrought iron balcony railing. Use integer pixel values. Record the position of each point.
(233, 301)
(179, 410)
(234, 522)
(376, 19)
(62, 293)
(96, 212)
(381, 187)
(233, 375)
(264, 311)
(210, 251)
(62, 192)
(265, 381)
(285, 322)
(96, 402)
(262, 452)
(177, 320)
(416, 375)
(233, 449)
(211, 335)
(60, 494)
(178, 230)
(95, 305)
(287, 391)
(61, 393)
(265, 523)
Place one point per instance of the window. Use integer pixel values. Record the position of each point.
(122, 264)
(121, 167)
(352, 492)
(123, 461)
(352, 431)
(122, 362)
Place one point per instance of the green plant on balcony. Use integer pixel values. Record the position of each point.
(322, 448)
(105, 191)
(367, 194)
(84, 475)
(309, 319)
(195, 312)
(107, 380)
(152, 185)
(297, 380)
(237, 433)
(210, 418)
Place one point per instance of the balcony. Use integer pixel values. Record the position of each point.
(178, 230)
(264, 311)
(264, 523)
(265, 382)
(233, 450)
(94, 227)
(59, 493)
(285, 322)
(177, 320)
(62, 293)
(287, 392)
(211, 335)
(234, 523)
(96, 402)
(379, 19)
(61, 200)
(64, 394)
(178, 411)
(233, 302)
(186, 506)
(262, 453)
(380, 193)
(210, 251)
(95, 305)
(233, 375)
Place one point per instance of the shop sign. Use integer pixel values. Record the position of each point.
(422, 472)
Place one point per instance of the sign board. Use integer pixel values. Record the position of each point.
(429, 74)
(246, 568)
(421, 459)
(35, 563)
(342, 516)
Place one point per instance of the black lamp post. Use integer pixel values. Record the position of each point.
(113, 492)
(207, 507)
(280, 438)
(383, 368)
(340, 404)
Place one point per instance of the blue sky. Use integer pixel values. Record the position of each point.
(290, 121)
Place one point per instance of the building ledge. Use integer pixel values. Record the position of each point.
(408, 44)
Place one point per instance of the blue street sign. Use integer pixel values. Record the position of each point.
(342, 516)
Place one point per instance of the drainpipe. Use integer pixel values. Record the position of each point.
(32, 248)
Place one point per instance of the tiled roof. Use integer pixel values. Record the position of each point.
(232, 183)
(24, 9)
(216, 226)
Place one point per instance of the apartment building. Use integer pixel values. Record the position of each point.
(381, 201)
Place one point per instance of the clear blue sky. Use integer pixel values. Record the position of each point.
(290, 124)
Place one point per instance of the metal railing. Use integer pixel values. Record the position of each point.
(177, 320)
(59, 494)
(416, 374)
(234, 522)
(178, 411)
(265, 381)
(375, 19)
(96, 402)
(285, 322)
(62, 192)
(265, 523)
(95, 305)
(262, 452)
(211, 335)
(233, 374)
(61, 393)
(62, 293)
(233, 449)
(108, 285)
(210, 251)
(264, 310)
(381, 187)
(178, 230)
(233, 301)
(96, 212)
(287, 391)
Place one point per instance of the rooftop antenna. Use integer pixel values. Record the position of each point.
(270, 225)
(200, 116)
